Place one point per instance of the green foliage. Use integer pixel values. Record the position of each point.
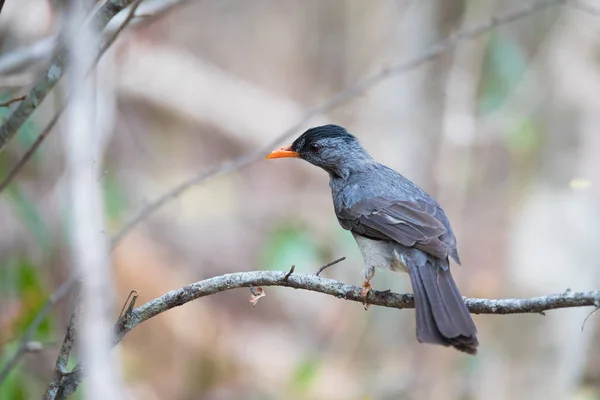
(525, 137)
(26, 134)
(14, 386)
(306, 372)
(20, 274)
(290, 244)
(114, 200)
(22, 283)
(27, 212)
(504, 65)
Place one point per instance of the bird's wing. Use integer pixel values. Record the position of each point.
(412, 223)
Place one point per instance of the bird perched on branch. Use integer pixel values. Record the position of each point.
(396, 226)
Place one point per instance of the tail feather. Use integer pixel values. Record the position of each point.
(442, 316)
(427, 331)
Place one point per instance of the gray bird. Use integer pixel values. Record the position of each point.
(396, 226)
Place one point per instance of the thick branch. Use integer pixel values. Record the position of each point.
(330, 287)
(345, 291)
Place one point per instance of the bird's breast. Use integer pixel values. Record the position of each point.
(381, 253)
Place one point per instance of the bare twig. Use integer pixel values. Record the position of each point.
(29, 153)
(64, 391)
(11, 101)
(324, 267)
(63, 356)
(334, 288)
(21, 59)
(334, 102)
(290, 272)
(111, 40)
(129, 303)
(597, 305)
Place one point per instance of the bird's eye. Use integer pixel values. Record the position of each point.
(314, 147)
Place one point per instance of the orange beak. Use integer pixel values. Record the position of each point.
(283, 152)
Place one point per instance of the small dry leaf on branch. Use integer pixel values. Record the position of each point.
(255, 294)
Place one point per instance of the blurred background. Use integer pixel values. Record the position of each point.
(503, 130)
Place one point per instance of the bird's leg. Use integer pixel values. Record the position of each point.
(369, 274)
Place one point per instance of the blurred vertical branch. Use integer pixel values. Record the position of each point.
(85, 135)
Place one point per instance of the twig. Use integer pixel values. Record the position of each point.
(290, 272)
(129, 303)
(111, 40)
(16, 99)
(1, 5)
(52, 75)
(334, 102)
(597, 305)
(334, 288)
(32, 328)
(63, 356)
(324, 267)
(21, 59)
(31, 150)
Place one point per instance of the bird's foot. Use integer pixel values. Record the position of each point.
(366, 289)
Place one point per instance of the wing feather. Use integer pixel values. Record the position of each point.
(412, 223)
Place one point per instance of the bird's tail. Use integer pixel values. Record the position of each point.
(442, 316)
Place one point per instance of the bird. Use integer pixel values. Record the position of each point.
(396, 226)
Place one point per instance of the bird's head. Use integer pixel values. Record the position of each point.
(329, 147)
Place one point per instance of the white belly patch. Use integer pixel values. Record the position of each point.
(380, 254)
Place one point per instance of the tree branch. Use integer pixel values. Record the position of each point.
(63, 356)
(331, 287)
(22, 58)
(29, 153)
(336, 101)
(52, 75)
